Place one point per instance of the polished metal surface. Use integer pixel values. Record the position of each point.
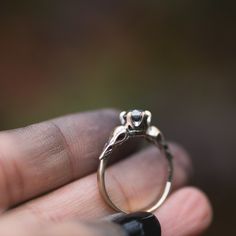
(134, 123)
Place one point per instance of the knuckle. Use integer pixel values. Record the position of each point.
(11, 178)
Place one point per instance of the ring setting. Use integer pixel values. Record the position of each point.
(134, 123)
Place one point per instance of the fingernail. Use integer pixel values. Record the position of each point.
(139, 224)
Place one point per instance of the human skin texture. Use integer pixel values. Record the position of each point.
(48, 180)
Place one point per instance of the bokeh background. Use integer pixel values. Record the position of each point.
(175, 58)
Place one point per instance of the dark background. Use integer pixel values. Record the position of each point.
(175, 58)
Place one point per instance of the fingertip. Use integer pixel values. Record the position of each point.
(202, 209)
(107, 118)
(182, 160)
(183, 154)
(110, 110)
(110, 113)
(187, 211)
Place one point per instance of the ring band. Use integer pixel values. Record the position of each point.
(134, 123)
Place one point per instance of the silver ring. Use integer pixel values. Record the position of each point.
(134, 123)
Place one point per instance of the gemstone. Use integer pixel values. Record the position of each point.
(136, 115)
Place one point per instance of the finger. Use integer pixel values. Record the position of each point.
(81, 198)
(186, 212)
(139, 180)
(72, 228)
(84, 229)
(42, 157)
(183, 167)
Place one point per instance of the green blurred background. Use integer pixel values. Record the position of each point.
(175, 58)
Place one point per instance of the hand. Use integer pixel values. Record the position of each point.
(48, 181)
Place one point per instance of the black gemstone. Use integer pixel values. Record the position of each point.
(140, 224)
(136, 115)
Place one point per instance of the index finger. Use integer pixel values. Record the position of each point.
(42, 157)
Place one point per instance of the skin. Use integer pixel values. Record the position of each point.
(48, 181)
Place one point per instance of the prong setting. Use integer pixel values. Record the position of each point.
(149, 117)
(123, 117)
(136, 121)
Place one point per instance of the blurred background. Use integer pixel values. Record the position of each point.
(175, 58)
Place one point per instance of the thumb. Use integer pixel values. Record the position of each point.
(134, 224)
(83, 229)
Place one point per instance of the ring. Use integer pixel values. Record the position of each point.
(134, 123)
